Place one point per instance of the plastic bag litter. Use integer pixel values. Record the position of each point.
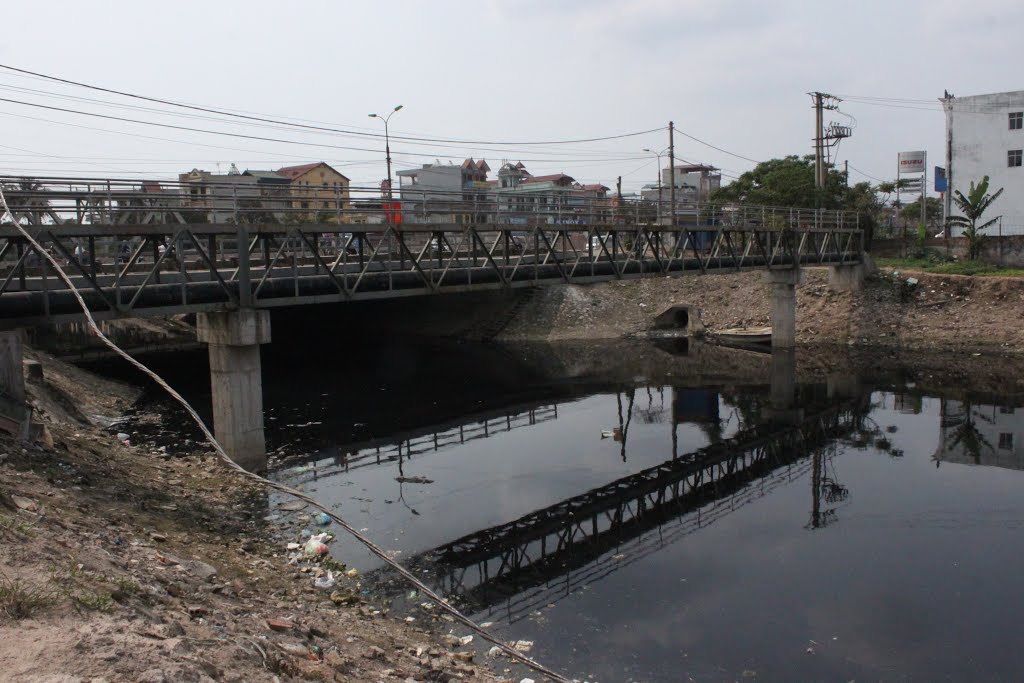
(322, 519)
(325, 582)
(316, 545)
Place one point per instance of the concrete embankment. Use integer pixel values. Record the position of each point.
(939, 312)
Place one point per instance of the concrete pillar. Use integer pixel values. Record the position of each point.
(847, 278)
(234, 340)
(783, 408)
(12, 372)
(784, 282)
(850, 277)
(15, 414)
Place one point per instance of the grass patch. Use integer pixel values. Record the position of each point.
(94, 602)
(20, 527)
(21, 599)
(127, 585)
(949, 267)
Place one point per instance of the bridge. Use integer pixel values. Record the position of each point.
(534, 560)
(139, 248)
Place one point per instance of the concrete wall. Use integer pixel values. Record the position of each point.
(981, 140)
(1007, 250)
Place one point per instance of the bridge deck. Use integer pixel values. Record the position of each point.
(140, 248)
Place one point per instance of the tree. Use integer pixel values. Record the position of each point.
(790, 182)
(973, 206)
(932, 211)
(782, 182)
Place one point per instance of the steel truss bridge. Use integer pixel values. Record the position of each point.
(138, 250)
(541, 557)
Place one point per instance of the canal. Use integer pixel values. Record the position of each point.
(666, 514)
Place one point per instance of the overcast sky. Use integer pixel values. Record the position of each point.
(732, 73)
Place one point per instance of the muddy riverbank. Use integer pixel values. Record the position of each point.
(120, 563)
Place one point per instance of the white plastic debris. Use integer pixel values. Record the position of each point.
(325, 582)
(522, 645)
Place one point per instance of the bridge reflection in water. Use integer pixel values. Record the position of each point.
(519, 566)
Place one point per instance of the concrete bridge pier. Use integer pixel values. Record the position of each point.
(784, 282)
(234, 339)
(12, 373)
(15, 415)
(848, 277)
(783, 407)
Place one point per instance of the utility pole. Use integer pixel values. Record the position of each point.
(846, 172)
(819, 138)
(824, 139)
(671, 172)
(618, 189)
(947, 204)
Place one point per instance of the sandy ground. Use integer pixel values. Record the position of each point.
(942, 312)
(118, 563)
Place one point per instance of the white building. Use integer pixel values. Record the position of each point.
(985, 136)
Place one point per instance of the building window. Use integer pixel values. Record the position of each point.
(1014, 157)
(1016, 120)
(1006, 441)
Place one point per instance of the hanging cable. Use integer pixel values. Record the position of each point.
(276, 486)
(261, 119)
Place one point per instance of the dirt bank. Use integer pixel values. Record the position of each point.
(118, 563)
(942, 312)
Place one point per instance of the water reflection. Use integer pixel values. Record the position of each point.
(627, 519)
(977, 434)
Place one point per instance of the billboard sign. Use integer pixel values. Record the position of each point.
(912, 162)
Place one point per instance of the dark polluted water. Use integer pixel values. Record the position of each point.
(643, 516)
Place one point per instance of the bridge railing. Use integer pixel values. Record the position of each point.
(245, 199)
(139, 249)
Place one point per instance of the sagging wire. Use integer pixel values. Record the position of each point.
(276, 486)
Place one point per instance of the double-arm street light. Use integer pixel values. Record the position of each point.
(387, 141)
(658, 154)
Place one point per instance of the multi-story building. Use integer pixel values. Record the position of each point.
(985, 137)
(556, 198)
(694, 183)
(317, 189)
(446, 193)
(215, 195)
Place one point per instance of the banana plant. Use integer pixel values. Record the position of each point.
(972, 207)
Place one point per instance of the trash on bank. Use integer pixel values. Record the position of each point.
(322, 519)
(316, 545)
(325, 582)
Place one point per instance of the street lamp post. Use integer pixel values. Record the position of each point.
(387, 141)
(658, 154)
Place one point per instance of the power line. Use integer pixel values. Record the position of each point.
(723, 151)
(866, 175)
(262, 119)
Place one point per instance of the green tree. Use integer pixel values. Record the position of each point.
(932, 211)
(790, 182)
(973, 206)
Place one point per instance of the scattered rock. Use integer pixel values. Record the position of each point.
(279, 624)
(26, 504)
